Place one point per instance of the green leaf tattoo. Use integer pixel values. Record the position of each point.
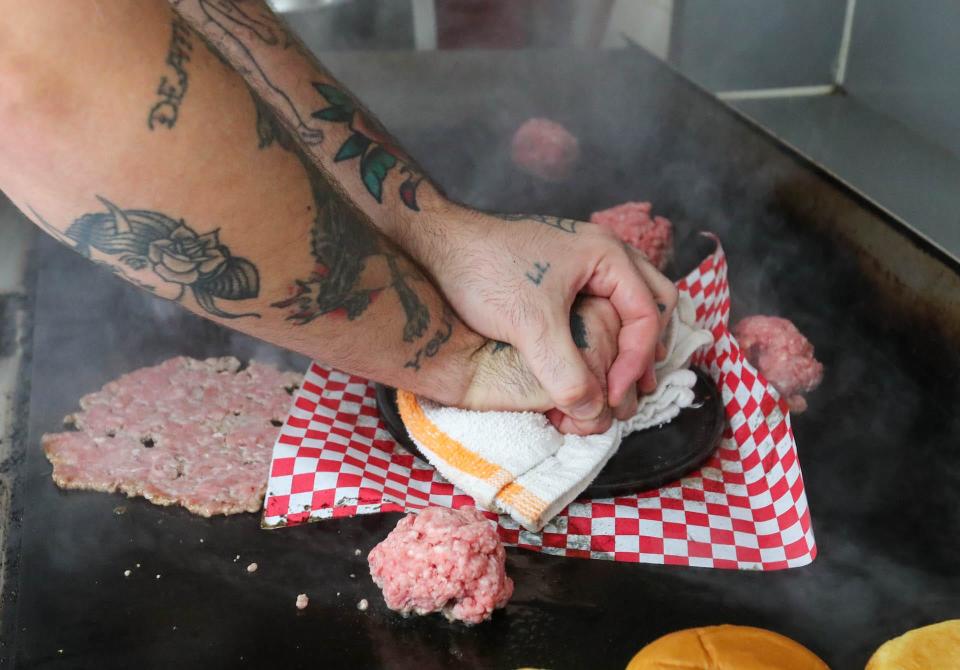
(335, 96)
(145, 240)
(369, 142)
(374, 167)
(355, 145)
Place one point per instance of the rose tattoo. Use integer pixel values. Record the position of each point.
(145, 240)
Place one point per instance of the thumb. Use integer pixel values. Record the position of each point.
(553, 358)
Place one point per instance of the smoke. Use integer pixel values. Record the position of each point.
(876, 442)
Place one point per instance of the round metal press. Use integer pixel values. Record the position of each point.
(646, 459)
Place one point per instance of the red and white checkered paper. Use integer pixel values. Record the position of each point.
(745, 508)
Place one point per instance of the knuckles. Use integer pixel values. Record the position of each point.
(573, 395)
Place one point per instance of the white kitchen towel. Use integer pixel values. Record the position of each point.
(518, 463)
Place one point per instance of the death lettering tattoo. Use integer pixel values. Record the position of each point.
(539, 271)
(558, 222)
(152, 247)
(343, 246)
(172, 91)
(369, 141)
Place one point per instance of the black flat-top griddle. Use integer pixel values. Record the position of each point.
(646, 459)
(877, 445)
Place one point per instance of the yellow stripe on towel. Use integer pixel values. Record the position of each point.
(443, 445)
(510, 493)
(527, 505)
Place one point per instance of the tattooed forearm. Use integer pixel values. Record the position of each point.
(261, 48)
(354, 264)
(232, 26)
(59, 237)
(166, 110)
(343, 246)
(430, 349)
(539, 270)
(369, 141)
(558, 222)
(163, 255)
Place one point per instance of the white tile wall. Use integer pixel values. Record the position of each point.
(646, 22)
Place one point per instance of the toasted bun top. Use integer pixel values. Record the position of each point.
(725, 648)
(934, 646)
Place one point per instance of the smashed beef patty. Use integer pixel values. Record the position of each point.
(189, 432)
(443, 560)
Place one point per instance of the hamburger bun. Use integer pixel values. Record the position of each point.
(725, 648)
(934, 646)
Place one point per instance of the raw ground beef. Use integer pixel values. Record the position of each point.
(195, 433)
(443, 560)
(545, 149)
(782, 354)
(632, 223)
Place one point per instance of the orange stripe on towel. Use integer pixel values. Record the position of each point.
(528, 505)
(444, 446)
(425, 431)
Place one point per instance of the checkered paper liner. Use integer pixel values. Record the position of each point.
(745, 508)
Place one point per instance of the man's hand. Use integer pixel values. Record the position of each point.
(514, 278)
(502, 380)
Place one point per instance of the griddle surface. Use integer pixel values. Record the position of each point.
(878, 445)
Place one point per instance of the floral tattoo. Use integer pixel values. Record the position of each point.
(369, 142)
(151, 244)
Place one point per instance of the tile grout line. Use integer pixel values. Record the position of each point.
(786, 92)
(844, 52)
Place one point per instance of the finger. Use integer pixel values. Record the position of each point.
(664, 291)
(648, 382)
(628, 407)
(555, 417)
(661, 352)
(618, 279)
(601, 424)
(502, 382)
(555, 361)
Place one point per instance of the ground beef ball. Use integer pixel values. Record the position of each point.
(443, 560)
(632, 223)
(545, 149)
(194, 433)
(782, 354)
